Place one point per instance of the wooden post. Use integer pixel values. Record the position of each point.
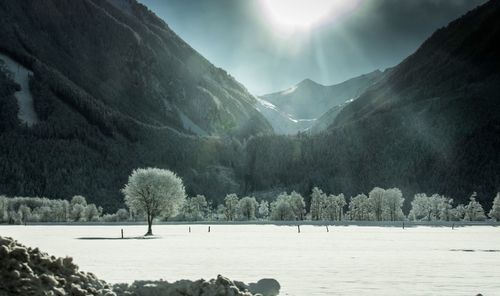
(122, 232)
(298, 228)
(189, 229)
(327, 230)
(208, 228)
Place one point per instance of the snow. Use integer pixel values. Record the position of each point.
(289, 91)
(347, 260)
(266, 104)
(24, 97)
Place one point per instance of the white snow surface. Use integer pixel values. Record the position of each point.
(24, 97)
(347, 260)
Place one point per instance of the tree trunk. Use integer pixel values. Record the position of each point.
(150, 223)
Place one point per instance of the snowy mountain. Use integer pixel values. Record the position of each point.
(299, 107)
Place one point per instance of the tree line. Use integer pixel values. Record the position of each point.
(379, 205)
(23, 210)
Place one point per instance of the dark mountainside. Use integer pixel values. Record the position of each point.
(307, 101)
(115, 89)
(431, 125)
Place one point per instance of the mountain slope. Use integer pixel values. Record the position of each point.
(128, 59)
(299, 107)
(114, 89)
(432, 124)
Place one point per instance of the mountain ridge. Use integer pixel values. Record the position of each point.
(297, 108)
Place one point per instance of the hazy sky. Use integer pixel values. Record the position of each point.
(267, 48)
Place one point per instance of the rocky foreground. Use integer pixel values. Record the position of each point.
(28, 271)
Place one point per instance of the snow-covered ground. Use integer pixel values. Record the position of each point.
(348, 260)
(24, 98)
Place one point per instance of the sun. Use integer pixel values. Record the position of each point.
(304, 14)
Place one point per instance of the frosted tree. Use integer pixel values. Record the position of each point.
(78, 204)
(432, 208)
(200, 206)
(90, 213)
(317, 203)
(458, 213)
(359, 208)
(195, 208)
(495, 209)
(247, 207)
(44, 213)
(24, 213)
(264, 209)
(221, 212)
(231, 206)
(435, 204)
(474, 210)
(340, 204)
(298, 205)
(445, 208)
(78, 199)
(377, 202)
(3, 209)
(155, 192)
(281, 208)
(334, 207)
(424, 207)
(122, 215)
(393, 204)
(61, 210)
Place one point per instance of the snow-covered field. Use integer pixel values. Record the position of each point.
(348, 260)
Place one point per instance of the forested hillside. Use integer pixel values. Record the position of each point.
(431, 125)
(114, 89)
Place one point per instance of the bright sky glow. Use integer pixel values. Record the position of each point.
(305, 14)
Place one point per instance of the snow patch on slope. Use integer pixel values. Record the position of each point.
(24, 97)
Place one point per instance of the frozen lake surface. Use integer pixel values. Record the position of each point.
(345, 261)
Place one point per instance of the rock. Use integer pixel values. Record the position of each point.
(49, 280)
(4, 251)
(19, 253)
(15, 274)
(266, 287)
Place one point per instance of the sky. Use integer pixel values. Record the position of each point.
(270, 45)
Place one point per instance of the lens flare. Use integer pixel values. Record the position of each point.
(304, 14)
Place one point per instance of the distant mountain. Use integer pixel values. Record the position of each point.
(299, 107)
(90, 89)
(431, 124)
